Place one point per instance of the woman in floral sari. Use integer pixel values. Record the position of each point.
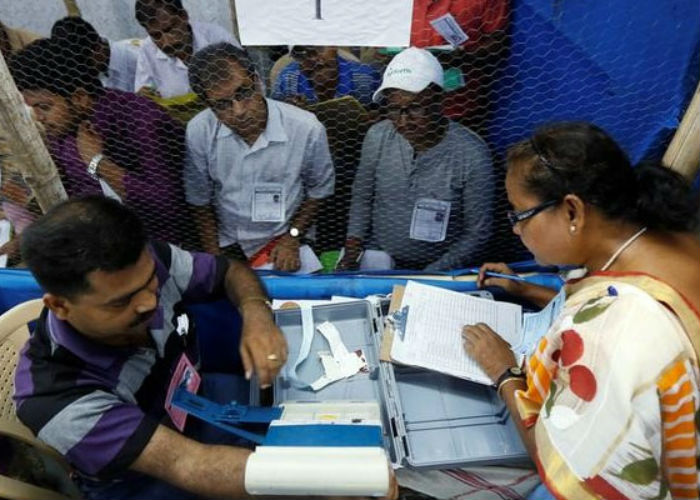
(610, 402)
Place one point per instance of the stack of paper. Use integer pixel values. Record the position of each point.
(431, 335)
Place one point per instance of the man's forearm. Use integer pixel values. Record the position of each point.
(242, 284)
(206, 470)
(305, 215)
(208, 230)
(114, 175)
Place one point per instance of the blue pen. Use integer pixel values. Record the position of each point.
(493, 274)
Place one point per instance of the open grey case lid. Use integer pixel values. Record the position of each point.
(430, 420)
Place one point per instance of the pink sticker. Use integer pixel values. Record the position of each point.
(187, 373)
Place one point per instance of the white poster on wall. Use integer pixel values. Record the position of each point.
(325, 22)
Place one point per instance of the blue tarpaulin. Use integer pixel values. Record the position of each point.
(629, 66)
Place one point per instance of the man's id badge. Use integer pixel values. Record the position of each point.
(185, 373)
(430, 219)
(268, 203)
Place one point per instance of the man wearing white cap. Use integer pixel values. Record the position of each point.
(423, 193)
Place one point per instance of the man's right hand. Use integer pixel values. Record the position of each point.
(351, 256)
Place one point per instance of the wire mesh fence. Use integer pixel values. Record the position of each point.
(319, 158)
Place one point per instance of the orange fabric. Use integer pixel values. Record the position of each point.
(262, 256)
(676, 386)
(475, 17)
(679, 433)
(530, 400)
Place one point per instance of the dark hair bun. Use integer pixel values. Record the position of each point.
(665, 200)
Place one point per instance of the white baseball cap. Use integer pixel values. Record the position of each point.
(412, 70)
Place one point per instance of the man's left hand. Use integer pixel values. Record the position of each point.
(263, 347)
(89, 141)
(285, 255)
(488, 349)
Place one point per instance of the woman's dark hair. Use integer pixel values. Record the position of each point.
(47, 64)
(582, 159)
(77, 237)
(146, 10)
(208, 68)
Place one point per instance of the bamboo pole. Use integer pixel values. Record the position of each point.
(234, 20)
(683, 154)
(72, 8)
(38, 169)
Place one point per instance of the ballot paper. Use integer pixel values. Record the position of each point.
(431, 336)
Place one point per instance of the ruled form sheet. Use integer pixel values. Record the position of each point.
(432, 334)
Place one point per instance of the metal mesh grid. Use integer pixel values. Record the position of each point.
(148, 138)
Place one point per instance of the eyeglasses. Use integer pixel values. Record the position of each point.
(241, 94)
(413, 110)
(515, 217)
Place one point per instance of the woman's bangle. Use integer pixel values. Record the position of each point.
(504, 382)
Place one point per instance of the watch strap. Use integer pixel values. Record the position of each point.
(94, 164)
(510, 373)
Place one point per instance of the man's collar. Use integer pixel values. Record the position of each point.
(88, 350)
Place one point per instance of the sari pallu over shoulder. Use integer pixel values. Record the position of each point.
(613, 392)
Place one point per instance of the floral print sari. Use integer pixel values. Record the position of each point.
(613, 392)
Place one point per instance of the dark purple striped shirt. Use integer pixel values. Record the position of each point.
(142, 138)
(99, 405)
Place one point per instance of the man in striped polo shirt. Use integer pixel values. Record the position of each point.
(92, 380)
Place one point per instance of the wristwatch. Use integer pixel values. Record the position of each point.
(294, 232)
(94, 163)
(512, 372)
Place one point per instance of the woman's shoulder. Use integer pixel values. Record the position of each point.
(614, 313)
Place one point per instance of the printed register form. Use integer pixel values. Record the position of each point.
(432, 336)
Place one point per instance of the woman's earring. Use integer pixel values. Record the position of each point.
(572, 229)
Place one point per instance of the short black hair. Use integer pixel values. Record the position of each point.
(146, 10)
(207, 66)
(582, 159)
(77, 237)
(47, 65)
(76, 35)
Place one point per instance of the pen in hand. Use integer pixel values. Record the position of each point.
(493, 274)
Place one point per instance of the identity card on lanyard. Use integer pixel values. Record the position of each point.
(268, 203)
(430, 219)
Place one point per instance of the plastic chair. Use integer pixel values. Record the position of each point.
(14, 332)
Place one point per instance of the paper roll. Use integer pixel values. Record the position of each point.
(354, 471)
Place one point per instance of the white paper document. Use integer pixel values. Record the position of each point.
(449, 29)
(5, 229)
(535, 325)
(309, 262)
(325, 22)
(432, 336)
